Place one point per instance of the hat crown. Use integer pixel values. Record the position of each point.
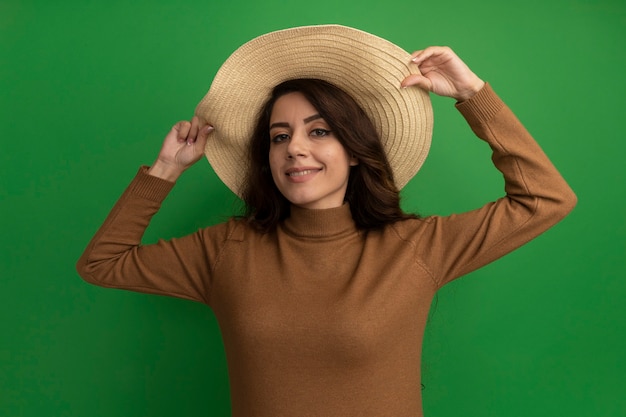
(365, 66)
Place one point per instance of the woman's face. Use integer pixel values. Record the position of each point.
(309, 165)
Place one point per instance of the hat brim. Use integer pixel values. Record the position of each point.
(365, 66)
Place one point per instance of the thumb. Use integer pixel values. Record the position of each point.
(203, 134)
(417, 80)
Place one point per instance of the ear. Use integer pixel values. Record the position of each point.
(354, 161)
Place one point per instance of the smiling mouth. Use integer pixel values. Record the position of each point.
(302, 173)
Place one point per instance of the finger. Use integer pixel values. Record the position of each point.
(420, 56)
(417, 57)
(415, 54)
(431, 52)
(192, 136)
(183, 128)
(417, 80)
(203, 134)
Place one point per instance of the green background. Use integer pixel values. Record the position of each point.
(88, 90)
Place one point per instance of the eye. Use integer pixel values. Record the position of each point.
(281, 137)
(320, 132)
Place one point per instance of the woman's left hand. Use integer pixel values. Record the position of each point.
(443, 73)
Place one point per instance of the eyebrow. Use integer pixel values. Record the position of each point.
(311, 118)
(305, 120)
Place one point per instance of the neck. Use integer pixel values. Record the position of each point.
(320, 222)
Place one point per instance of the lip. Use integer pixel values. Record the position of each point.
(302, 174)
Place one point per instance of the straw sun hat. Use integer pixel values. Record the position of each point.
(365, 66)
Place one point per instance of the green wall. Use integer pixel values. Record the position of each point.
(88, 89)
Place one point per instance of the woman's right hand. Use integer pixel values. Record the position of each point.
(183, 146)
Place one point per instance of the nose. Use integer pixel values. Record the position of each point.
(298, 145)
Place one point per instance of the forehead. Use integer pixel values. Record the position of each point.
(292, 104)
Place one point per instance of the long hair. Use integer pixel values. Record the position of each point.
(373, 197)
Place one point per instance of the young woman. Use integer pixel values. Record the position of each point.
(322, 288)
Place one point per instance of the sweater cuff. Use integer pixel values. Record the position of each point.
(150, 187)
(482, 107)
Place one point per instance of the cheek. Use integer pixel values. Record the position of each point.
(274, 164)
(342, 159)
(272, 158)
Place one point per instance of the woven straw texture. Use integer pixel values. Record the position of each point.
(367, 67)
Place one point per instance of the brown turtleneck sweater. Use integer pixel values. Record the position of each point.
(319, 318)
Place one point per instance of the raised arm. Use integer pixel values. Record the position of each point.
(115, 256)
(537, 196)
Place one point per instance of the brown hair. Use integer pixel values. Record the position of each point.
(372, 194)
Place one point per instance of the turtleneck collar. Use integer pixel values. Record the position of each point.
(320, 223)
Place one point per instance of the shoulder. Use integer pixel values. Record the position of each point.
(233, 229)
(409, 230)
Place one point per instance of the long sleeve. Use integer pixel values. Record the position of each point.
(537, 197)
(115, 257)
